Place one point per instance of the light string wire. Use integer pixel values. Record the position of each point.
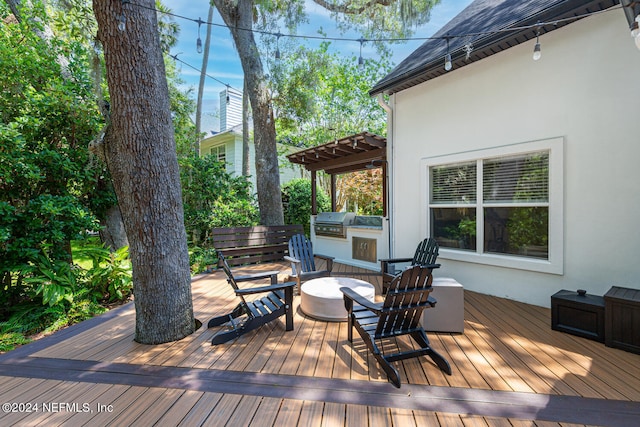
(399, 39)
(227, 85)
(360, 40)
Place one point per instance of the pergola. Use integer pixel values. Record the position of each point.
(349, 154)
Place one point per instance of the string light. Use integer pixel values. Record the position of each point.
(447, 58)
(175, 58)
(278, 35)
(199, 41)
(122, 19)
(360, 60)
(467, 47)
(536, 49)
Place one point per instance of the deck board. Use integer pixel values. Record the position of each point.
(509, 368)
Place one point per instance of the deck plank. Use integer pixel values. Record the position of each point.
(201, 410)
(355, 414)
(176, 413)
(267, 412)
(314, 376)
(311, 414)
(402, 417)
(289, 413)
(334, 414)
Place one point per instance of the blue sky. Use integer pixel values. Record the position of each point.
(224, 63)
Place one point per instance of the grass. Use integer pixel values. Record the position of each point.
(79, 256)
(21, 323)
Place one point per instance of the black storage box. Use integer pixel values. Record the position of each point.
(622, 319)
(578, 313)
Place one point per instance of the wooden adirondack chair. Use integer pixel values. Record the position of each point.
(302, 258)
(426, 256)
(277, 302)
(399, 314)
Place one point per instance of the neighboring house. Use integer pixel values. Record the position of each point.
(525, 171)
(230, 108)
(227, 147)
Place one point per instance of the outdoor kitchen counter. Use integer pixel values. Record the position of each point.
(366, 241)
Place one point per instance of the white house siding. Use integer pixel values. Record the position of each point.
(586, 90)
(233, 152)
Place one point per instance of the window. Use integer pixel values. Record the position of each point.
(219, 153)
(497, 206)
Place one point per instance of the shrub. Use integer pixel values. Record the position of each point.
(213, 198)
(297, 201)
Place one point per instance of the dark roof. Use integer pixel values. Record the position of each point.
(343, 155)
(483, 18)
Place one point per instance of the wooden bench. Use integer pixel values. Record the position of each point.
(254, 245)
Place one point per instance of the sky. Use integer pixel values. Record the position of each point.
(224, 64)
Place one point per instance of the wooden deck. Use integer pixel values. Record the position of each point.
(509, 369)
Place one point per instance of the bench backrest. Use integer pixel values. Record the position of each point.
(254, 245)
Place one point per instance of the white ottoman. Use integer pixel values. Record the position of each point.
(321, 298)
(448, 314)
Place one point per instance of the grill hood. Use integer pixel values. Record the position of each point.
(343, 218)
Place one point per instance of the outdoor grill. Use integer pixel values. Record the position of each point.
(333, 224)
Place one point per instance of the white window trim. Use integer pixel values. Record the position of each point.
(555, 263)
(217, 149)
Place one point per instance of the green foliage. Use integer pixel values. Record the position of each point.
(297, 197)
(528, 226)
(53, 280)
(383, 20)
(319, 96)
(48, 117)
(109, 278)
(213, 198)
(30, 319)
(201, 259)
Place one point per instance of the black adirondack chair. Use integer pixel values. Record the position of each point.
(399, 314)
(302, 258)
(277, 302)
(426, 256)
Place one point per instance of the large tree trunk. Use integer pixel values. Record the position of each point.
(112, 233)
(238, 15)
(246, 170)
(141, 155)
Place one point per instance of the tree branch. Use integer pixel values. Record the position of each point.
(346, 7)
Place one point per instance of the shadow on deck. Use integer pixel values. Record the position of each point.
(509, 368)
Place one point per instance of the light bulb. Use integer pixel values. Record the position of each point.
(447, 62)
(199, 45)
(122, 22)
(360, 62)
(536, 52)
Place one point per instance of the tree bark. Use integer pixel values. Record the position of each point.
(112, 233)
(246, 170)
(238, 15)
(13, 5)
(141, 156)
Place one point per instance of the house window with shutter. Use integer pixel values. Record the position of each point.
(498, 206)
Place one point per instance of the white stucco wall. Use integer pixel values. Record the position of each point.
(586, 90)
